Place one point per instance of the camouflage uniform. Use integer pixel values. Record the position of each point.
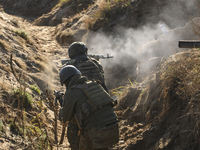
(93, 113)
(89, 67)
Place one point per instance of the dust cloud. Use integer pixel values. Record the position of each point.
(138, 52)
(127, 48)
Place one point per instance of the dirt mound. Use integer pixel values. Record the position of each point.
(75, 15)
(27, 74)
(66, 11)
(164, 113)
(28, 8)
(27, 56)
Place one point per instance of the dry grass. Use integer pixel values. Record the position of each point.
(61, 2)
(4, 86)
(5, 45)
(196, 22)
(107, 10)
(5, 67)
(20, 63)
(41, 65)
(15, 22)
(39, 61)
(31, 123)
(41, 58)
(180, 95)
(183, 74)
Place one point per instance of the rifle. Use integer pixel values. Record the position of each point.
(59, 96)
(189, 44)
(95, 56)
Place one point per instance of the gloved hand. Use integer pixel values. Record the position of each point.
(114, 103)
(59, 96)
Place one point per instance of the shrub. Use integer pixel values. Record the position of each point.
(35, 89)
(106, 12)
(25, 97)
(22, 33)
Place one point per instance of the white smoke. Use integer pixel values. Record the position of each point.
(143, 47)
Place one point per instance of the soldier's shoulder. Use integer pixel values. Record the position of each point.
(72, 92)
(95, 61)
(71, 61)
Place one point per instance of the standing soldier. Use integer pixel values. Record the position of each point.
(89, 67)
(89, 107)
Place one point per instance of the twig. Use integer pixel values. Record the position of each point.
(55, 115)
(48, 139)
(11, 66)
(63, 132)
(35, 139)
(29, 136)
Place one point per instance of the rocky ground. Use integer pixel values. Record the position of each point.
(34, 37)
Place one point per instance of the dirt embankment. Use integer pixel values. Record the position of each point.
(28, 8)
(162, 113)
(155, 112)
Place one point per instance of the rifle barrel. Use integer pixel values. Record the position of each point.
(189, 44)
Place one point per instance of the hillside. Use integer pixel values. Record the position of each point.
(156, 83)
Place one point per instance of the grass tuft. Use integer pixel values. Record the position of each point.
(35, 89)
(22, 34)
(5, 45)
(1, 125)
(61, 2)
(106, 12)
(26, 98)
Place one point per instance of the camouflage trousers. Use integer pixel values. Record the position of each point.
(73, 135)
(99, 138)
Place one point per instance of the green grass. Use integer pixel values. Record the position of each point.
(26, 97)
(1, 125)
(35, 89)
(22, 34)
(61, 2)
(117, 91)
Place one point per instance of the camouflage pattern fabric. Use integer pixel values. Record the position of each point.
(89, 67)
(73, 99)
(73, 135)
(97, 97)
(99, 138)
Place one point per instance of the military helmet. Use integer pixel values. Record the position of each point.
(67, 72)
(77, 48)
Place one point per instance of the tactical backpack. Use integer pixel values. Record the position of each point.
(97, 98)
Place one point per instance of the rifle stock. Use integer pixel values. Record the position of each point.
(189, 44)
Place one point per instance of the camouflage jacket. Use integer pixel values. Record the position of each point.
(89, 67)
(74, 98)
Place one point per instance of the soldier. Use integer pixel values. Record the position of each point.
(89, 67)
(89, 107)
